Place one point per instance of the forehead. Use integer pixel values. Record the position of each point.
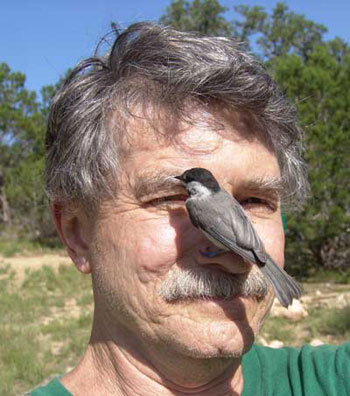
(215, 139)
(201, 129)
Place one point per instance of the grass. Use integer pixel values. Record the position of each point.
(331, 325)
(278, 329)
(319, 275)
(10, 247)
(36, 316)
(336, 322)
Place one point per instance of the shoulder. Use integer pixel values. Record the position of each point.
(308, 370)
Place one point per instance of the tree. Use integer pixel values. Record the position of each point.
(204, 16)
(22, 133)
(281, 33)
(320, 86)
(18, 121)
(4, 206)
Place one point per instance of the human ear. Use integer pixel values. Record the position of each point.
(72, 228)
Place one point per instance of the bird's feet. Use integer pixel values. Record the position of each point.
(210, 253)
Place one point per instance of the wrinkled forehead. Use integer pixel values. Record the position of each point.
(195, 130)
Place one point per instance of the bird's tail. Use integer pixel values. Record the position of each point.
(286, 288)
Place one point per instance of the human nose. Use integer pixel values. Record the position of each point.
(209, 255)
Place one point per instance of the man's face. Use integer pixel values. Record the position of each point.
(145, 235)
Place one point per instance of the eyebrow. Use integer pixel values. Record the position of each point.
(149, 183)
(270, 186)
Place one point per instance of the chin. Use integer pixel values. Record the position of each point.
(233, 346)
(215, 339)
(234, 350)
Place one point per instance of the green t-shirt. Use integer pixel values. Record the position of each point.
(53, 388)
(309, 371)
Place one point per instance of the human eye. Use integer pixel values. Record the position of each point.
(168, 201)
(258, 205)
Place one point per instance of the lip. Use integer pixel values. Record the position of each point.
(214, 302)
(227, 300)
(221, 298)
(215, 309)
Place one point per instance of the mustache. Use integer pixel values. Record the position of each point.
(184, 284)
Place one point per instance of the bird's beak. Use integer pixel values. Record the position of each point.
(178, 178)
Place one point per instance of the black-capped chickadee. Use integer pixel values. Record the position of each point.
(223, 221)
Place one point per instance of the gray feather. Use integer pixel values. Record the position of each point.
(233, 230)
(285, 287)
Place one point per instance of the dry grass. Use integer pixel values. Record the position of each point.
(39, 307)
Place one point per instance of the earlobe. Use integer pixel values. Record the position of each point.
(71, 226)
(81, 262)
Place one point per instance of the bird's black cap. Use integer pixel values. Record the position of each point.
(201, 175)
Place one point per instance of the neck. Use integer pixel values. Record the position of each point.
(113, 364)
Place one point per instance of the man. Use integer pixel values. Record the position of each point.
(159, 103)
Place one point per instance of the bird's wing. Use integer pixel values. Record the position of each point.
(231, 245)
(233, 229)
(230, 227)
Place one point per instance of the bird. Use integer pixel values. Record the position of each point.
(224, 222)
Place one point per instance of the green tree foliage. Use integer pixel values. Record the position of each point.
(19, 119)
(281, 33)
(315, 74)
(22, 131)
(320, 86)
(204, 16)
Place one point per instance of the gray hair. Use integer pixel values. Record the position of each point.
(194, 283)
(149, 63)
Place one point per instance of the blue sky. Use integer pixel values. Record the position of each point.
(42, 38)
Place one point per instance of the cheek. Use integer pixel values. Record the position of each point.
(159, 247)
(156, 251)
(272, 235)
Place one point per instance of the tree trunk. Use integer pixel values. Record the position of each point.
(5, 216)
